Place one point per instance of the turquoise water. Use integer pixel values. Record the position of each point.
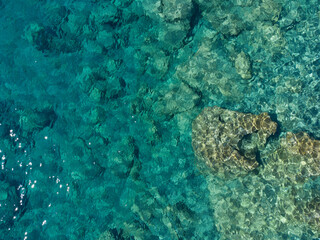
(97, 102)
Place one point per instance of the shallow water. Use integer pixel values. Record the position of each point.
(97, 102)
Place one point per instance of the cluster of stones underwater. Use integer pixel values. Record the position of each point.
(259, 189)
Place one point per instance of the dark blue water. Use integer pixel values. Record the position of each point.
(97, 100)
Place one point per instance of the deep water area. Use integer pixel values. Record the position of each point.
(118, 119)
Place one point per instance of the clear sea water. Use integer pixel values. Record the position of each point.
(97, 102)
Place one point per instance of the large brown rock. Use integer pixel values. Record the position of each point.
(228, 141)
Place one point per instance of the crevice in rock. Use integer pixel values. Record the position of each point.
(194, 21)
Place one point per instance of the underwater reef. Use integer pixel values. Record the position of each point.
(261, 201)
(159, 119)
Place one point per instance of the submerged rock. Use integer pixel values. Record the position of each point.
(312, 213)
(228, 141)
(243, 65)
(176, 99)
(297, 158)
(280, 196)
(36, 119)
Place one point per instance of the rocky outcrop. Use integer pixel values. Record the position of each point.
(279, 196)
(228, 141)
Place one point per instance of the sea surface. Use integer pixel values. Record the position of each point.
(97, 100)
